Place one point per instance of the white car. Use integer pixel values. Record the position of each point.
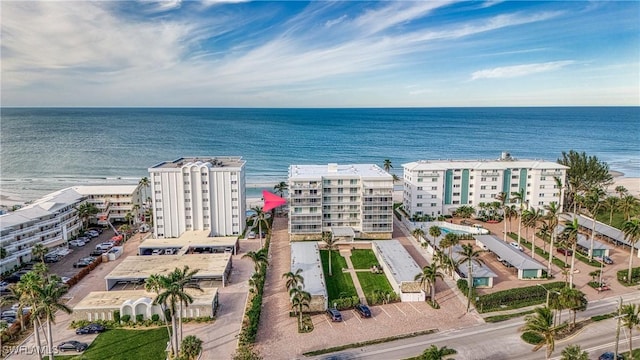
(76, 243)
(252, 235)
(517, 246)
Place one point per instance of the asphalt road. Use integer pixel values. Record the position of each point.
(501, 341)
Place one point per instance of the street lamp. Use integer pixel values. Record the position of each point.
(548, 292)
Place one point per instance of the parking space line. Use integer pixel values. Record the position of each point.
(414, 308)
(385, 311)
(356, 316)
(328, 322)
(403, 313)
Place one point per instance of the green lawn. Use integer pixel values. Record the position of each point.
(116, 344)
(370, 282)
(618, 218)
(339, 284)
(363, 258)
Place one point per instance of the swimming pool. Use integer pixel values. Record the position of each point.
(457, 232)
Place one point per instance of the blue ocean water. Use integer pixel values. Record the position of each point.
(46, 149)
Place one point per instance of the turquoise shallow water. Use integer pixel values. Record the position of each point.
(42, 150)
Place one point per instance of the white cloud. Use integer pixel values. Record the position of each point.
(519, 70)
(330, 23)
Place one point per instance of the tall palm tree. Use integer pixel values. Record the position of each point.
(622, 191)
(571, 231)
(144, 183)
(435, 353)
(48, 303)
(259, 218)
(85, 211)
(280, 188)
(631, 230)
(470, 256)
(444, 261)
(328, 239)
(610, 203)
(299, 300)
(630, 319)
(574, 352)
(154, 284)
(510, 213)
(541, 324)
(628, 205)
(435, 232)
(593, 200)
(503, 197)
(293, 279)
(184, 278)
(450, 240)
(386, 165)
(553, 211)
(574, 300)
(519, 197)
(428, 277)
(536, 217)
(128, 217)
(28, 288)
(259, 258)
(418, 233)
(38, 251)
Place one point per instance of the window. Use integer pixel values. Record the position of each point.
(187, 209)
(456, 194)
(434, 179)
(540, 202)
(340, 182)
(419, 196)
(541, 195)
(187, 200)
(419, 179)
(434, 196)
(482, 196)
(494, 179)
(297, 210)
(543, 178)
(205, 208)
(483, 187)
(541, 186)
(457, 177)
(434, 188)
(419, 188)
(483, 178)
(188, 217)
(419, 205)
(456, 185)
(204, 174)
(494, 187)
(455, 202)
(470, 194)
(187, 191)
(514, 185)
(206, 182)
(434, 204)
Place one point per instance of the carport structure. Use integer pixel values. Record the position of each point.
(400, 269)
(305, 255)
(345, 233)
(136, 269)
(528, 268)
(192, 242)
(599, 249)
(101, 305)
(604, 231)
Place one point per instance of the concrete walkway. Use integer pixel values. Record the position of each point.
(346, 253)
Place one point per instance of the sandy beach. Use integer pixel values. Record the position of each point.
(631, 183)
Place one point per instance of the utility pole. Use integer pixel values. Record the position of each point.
(618, 329)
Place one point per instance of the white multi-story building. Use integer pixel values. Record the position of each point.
(113, 201)
(358, 196)
(198, 193)
(438, 187)
(49, 221)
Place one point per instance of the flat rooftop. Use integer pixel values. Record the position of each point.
(601, 229)
(507, 252)
(338, 171)
(111, 299)
(494, 164)
(478, 270)
(402, 266)
(105, 189)
(141, 267)
(583, 241)
(305, 255)
(190, 238)
(208, 161)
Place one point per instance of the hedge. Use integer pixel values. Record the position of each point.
(635, 276)
(512, 298)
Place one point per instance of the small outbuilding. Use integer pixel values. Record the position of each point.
(400, 269)
(305, 255)
(528, 268)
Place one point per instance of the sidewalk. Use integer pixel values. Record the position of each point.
(346, 254)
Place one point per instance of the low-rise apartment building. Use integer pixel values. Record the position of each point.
(439, 187)
(114, 202)
(359, 196)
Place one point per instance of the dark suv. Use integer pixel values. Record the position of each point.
(334, 314)
(363, 310)
(90, 329)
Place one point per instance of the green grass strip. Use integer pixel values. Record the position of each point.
(363, 258)
(499, 318)
(339, 284)
(370, 342)
(124, 344)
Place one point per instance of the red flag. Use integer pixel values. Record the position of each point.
(271, 201)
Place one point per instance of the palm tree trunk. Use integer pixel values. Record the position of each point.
(174, 327)
(180, 324)
(593, 234)
(433, 293)
(470, 287)
(551, 251)
(519, 226)
(630, 265)
(50, 339)
(330, 274)
(573, 263)
(36, 337)
(533, 244)
(504, 220)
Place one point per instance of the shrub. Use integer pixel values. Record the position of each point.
(512, 298)
(635, 276)
(345, 303)
(139, 318)
(125, 318)
(116, 316)
(155, 317)
(531, 338)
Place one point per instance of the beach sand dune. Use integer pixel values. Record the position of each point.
(632, 184)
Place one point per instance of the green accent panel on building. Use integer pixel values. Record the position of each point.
(506, 179)
(529, 273)
(448, 187)
(465, 187)
(523, 180)
(481, 281)
(599, 252)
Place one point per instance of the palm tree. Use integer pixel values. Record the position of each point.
(444, 261)
(470, 256)
(502, 197)
(628, 205)
(631, 230)
(28, 288)
(184, 278)
(259, 219)
(450, 240)
(259, 258)
(85, 211)
(593, 200)
(144, 183)
(519, 197)
(573, 352)
(280, 188)
(630, 319)
(328, 239)
(428, 277)
(570, 233)
(191, 348)
(574, 300)
(553, 210)
(299, 300)
(418, 233)
(293, 279)
(435, 353)
(541, 324)
(154, 284)
(387, 165)
(129, 218)
(49, 302)
(435, 232)
(585, 172)
(610, 203)
(535, 217)
(39, 251)
(622, 191)
(510, 213)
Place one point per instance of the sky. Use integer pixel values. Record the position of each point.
(319, 54)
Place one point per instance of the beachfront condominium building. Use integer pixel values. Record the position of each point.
(114, 202)
(50, 221)
(439, 187)
(322, 197)
(198, 193)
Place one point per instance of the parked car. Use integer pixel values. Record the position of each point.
(564, 251)
(76, 243)
(90, 329)
(610, 356)
(52, 258)
(81, 263)
(73, 345)
(93, 233)
(85, 239)
(516, 245)
(334, 314)
(104, 246)
(97, 252)
(252, 235)
(605, 259)
(9, 313)
(363, 310)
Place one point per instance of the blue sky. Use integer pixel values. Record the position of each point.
(320, 54)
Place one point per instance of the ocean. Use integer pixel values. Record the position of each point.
(46, 149)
